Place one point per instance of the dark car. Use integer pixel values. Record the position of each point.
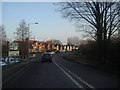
(46, 57)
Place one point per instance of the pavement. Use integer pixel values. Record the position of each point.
(59, 74)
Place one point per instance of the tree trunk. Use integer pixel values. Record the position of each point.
(99, 46)
(99, 35)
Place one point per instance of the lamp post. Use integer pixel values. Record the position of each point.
(29, 35)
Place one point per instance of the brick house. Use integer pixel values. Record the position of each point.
(31, 46)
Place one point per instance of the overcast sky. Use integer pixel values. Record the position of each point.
(51, 24)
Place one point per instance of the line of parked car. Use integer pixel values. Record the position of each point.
(47, 56)
(5, 60)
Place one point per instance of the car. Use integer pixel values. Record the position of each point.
(52, 52)
(18, 59)
(2, 63)
(46, 57)
(62, 51)
(2, 59)
(57, 51)
(10, 60)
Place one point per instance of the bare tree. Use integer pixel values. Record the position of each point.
(22, 32)
(55, 42)
(101, 19)
(73, 41)
(3, 41)
(3, 35)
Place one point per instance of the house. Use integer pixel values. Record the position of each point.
(30, 46)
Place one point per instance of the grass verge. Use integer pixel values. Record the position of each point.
(71, 56)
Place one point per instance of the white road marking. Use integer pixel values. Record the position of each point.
(75, 76)
(79, 86)
(79, 78)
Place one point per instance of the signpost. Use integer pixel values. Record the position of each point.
(13, 49)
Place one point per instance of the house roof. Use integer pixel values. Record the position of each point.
(30, 41)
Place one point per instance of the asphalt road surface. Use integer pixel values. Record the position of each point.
(61, 74)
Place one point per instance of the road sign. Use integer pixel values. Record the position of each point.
(13, 46)
(13, 49)
(13, 53)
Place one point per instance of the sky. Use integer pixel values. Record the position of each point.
(1, 13)
(51, 24)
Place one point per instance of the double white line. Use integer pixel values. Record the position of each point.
(75, 81)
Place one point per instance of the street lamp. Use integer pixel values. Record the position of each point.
(29, 27)
(28, 35)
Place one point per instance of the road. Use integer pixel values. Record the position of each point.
(61, 74)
